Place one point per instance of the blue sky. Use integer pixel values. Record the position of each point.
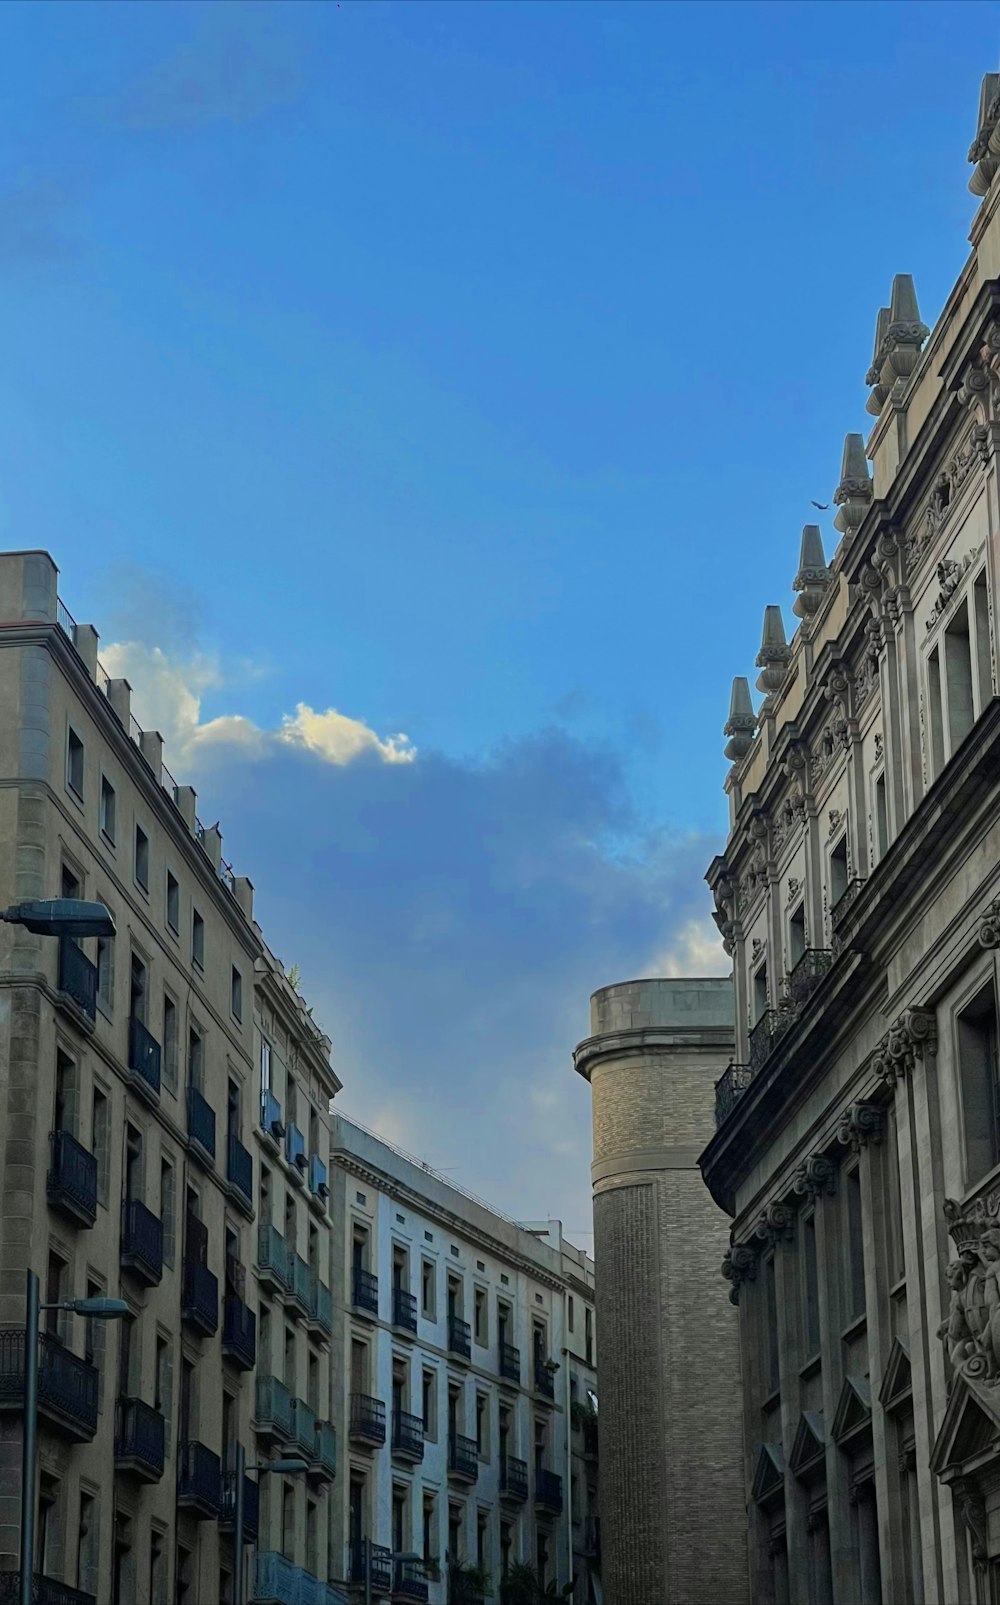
(468, 369)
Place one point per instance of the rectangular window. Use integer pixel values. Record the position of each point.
(810, 1287)
(141, 858)
(855, 1278)
(760, 998)
(163, 1381)
(236, 994)
(88, 1544)
(138, 990)
(570, 1313)
(196, 1060)
(482, 1426)
(984, 657)
(101, 1143)
(480, 1318)
(106, 972)
(169, 1055)
(173, 903)
(796, 935)
(74, 764)
(107, 811)
(958, 665)
(589, 1336)
(838, 872)
(157, 1567)
(977, 1065)
(936, 728)
(197, 940)
(881, 820)
(94, 1335)
(428, 1303)
(429, 1397)
(168, 1210)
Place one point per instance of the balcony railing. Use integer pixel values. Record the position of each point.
(239, 1333)
(270, 1116)
(459, 1337)
(510, 1362)
(199, 1480)
(838, 910)
(548, 1490)
(545, 1381)
(322, 1306)
(201, 1122)
(78, 977)
(407, 1435)
(142, 1242)
(67, 1385)
(251, 1504)
(274, 1408)
(411, 1581)
(301, 1290)
(318, 1182)
(463, 1457)
(295, 1149)
(304, 1427)
(766, 1034)
(325, 1454)
(807, 974)
(144, 1057)
(200, 1297)
(729, 1089)
(514, 1478)
(239, 1170)
(272, 1257)
(44, 1591)
(380, 1567)
(365, 1290)
(140, 1439)
(404, 1309)
(72, 1180)
(367, 1418)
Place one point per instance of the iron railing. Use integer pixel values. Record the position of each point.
(514, 1478)
(65, 620)
(407, 1435)
(199, 1479)
(301, 1283)
(304, 1427)
(239, 1168)
(463, 1456)
(274, 1407)
(67, 1385)
(325, 1453)
(380, 1567)
(365, 1290)
(239, 1333)
(510, 1362)
(295, 1148)
(201, 1121)
(411, 1582)
(729, 1089)
(548, 1490)
(251, 1504)
(367, 1418)
(807, 974)
(272, 1256)
(142, 1241)
(140, 1438)
(404, 1309)
(71, 1183)
(322, 1306)
(459, 1337)
(44, 1591)
(765, 1035)
(838, 910)
(270, 1116)
(200, 1297)
(78, 976)
(144, 1055)
(545, 1381)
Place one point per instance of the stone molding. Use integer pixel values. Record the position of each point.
(989, 925)
(903, 1044)
(739, 1265)
(776, 1224)
(860, 1124)
(816, 1177)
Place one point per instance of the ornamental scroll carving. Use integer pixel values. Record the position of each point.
(903, 1044)
(775, 1224)
(817, 1176)
(950, 574)
(989, 925)
(860, 1124)
(971, 1331)
(972, 1505)
(739, 1265)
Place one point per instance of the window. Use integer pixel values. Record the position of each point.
(74, 764)
(55, 1291)
(196, 1059)
(107, 810)
(173, 903)
(106, 972)
(838, 872)
(506, 1542)
(482, 1539)
(977, 1064)
(542, 1556)
(796, 935)
(48, 1539)
(482, 1426)
(760, 999)
(236, 993)
(429, 1533)
(288, 1521)
(429, 1405)
(94, 1334)
(936, 755)
(810, 1287)
(138, 990)
(197, 940)
(168, 1210)
(157, 1567)
(163, 1382)
(981, 614)
(88, 1544)
(265, 1065)
(428, 1301)
(958, 668)
(589, 1336)
(100, 1143)
(479, 1316)
(141, 858)
(67, 1081)
(855, 1247)
(880, 821)
(169, 1055)
(569, 1314)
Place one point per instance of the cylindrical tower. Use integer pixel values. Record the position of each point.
(672, 1502)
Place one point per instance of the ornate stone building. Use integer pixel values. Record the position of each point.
(858, 1140)
(671, 1434)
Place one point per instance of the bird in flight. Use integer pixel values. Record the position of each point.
(824, 507)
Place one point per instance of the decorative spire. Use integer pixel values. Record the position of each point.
(742, 721)
(985, 148)
(775, 653)
(899, 334)
(854, 493)
(813, 575)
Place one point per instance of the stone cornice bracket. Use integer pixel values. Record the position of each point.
(899, 335)
(903, 1044)
(775, 654)
(795, 764)
(816, 1177)
(989, 925)
(742, 721)
(813, 575)
(775, 1225)
(973, 1508)
(985, 148)
(739, 1265)
(853, 496)
(860, 1124)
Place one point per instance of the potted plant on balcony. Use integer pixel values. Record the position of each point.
(521, 1587)
(467, 1584)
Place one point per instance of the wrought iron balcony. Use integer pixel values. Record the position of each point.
(322, 1306)
(325, 1453)
(77, 977)
(729, 1089)
(239, 1333)
(849, 896)
(545, 1381)
(364, 1290)
(72, 1180)
(304, 1428)
(459, 1337)
(510, 1362)
(142, 1242)
(44, 1591)
(201, 1124)
(807, 974)
(513, 1478)
(239, 1172)
(411, 1581)
(140, 1439)
(407, 1436)
(404, 1309)
(144, 1058)
(67, 1385)
(200, 1297)
(300, 1293)
(199, 1480)
(272, 1258)
(251, 1504)
(766, 1034)
(275, 1579)
(463, 1457)
(367, 1419)
(275, 1416)
(548, 1490)
(380, 1567)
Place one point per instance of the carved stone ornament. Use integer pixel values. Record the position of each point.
(989, 925)
(899, 335)
(793, 886)
(908, 1459)
(878, 744)
(813, 575)
(834, 816)
(817, 1176)
(971, 1331)
(950, 575)
(972, 1505)
(756, 949)
(985, 148)
(739, 1265)
(903, 1044)
(860, 1124)
(775, 654)
(742, 721)
(853, 496)
(775, 1224)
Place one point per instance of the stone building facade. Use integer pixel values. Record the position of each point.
(452, 1376)
(669, 1386)
(858, 1140)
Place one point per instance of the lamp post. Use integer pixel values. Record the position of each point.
(241, 1469)
(61, 916)
(102, 1309)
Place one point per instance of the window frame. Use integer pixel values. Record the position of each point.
(73, 736)
(141, 858)
(109, 837)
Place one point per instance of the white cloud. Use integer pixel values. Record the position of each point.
(167, 697)
(695, 950)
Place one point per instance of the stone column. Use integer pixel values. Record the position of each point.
(672, 1498)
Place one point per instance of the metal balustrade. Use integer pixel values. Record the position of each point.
(766, 1034)
(459, 1337)
(411, 1582)
(545, 1381)
(201, 1123)
(404, 1309)
(325, 1454)
(78, 977)
(367, 1419)
(272, 1258)
(67, 1385)
(807, 974)
(729, 1089)
(251, 1504)
(140, 1439)
(200, 1297)
(144, 1057)
(142, 1242)
(199, 1480)
(44, 1591)
(71, 1183)
(239, 1333)
(514, 1478)
(847, 898)
(274, 1408)
(364, 1286)
(239, 1170)
(463, 1457)
(548, 1490)
(510, 1362)
(407, 1435)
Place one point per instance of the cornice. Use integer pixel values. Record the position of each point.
(642, 1039)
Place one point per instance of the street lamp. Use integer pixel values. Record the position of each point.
(290, 1465)
(61, 916)
(99, 1309)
